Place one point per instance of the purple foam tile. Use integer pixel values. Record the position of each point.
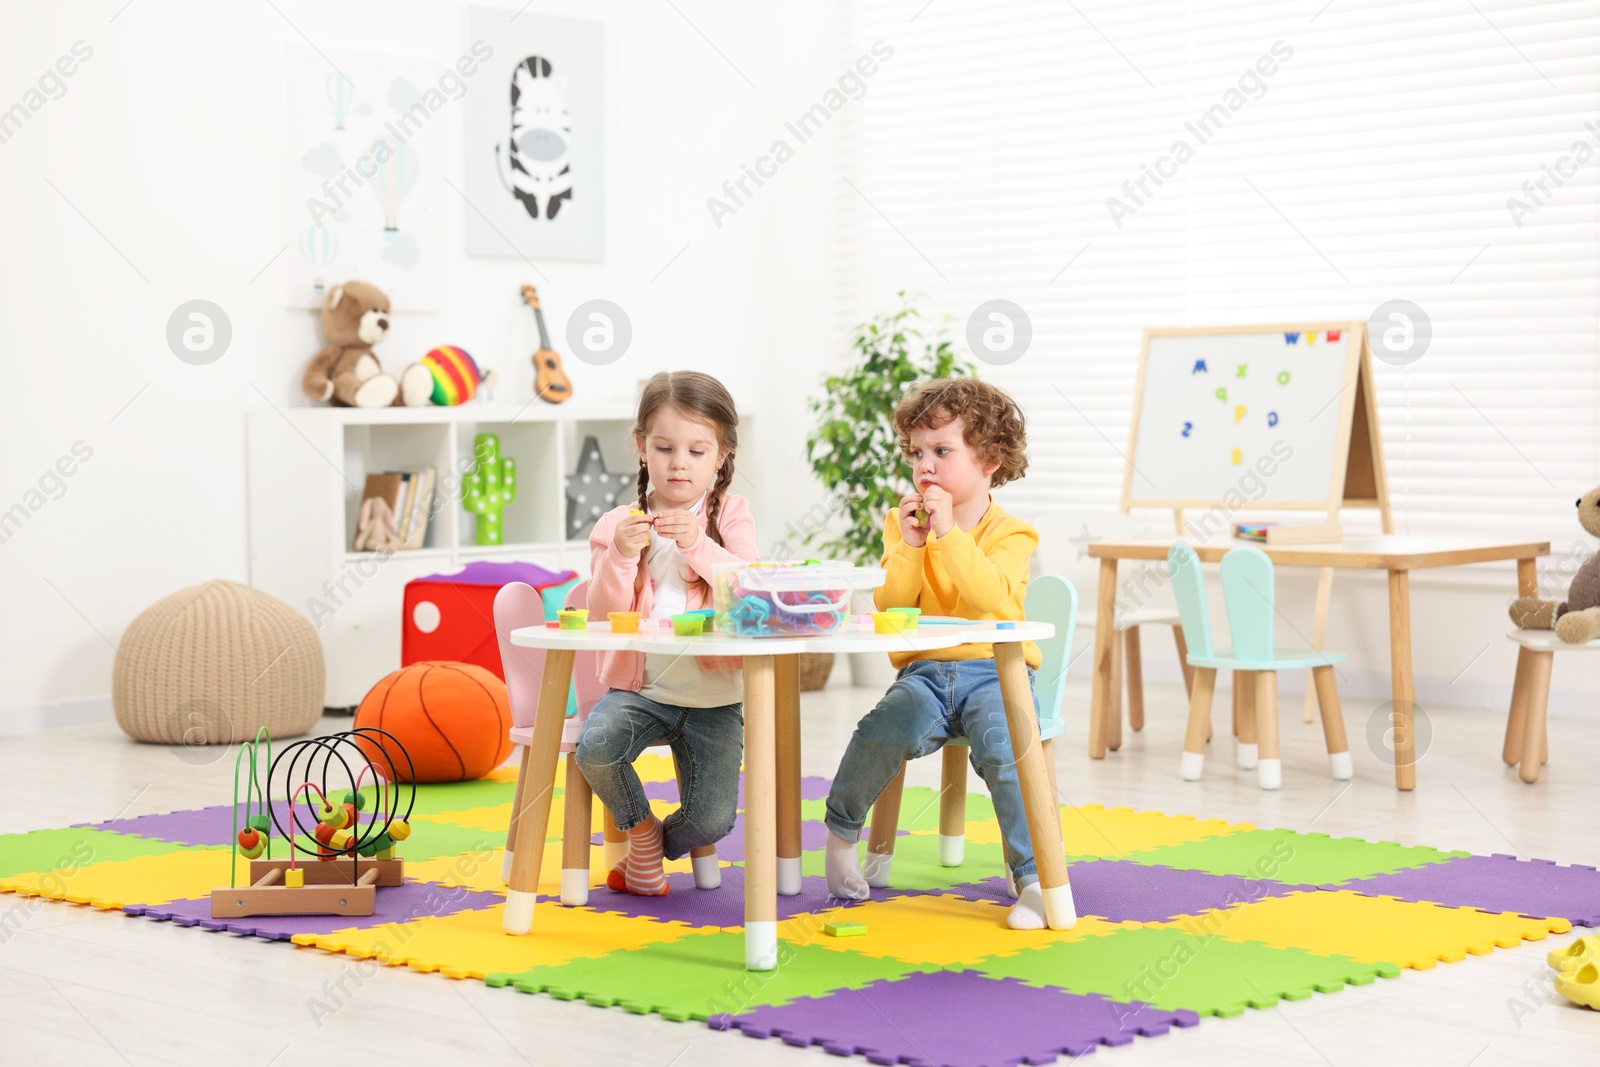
(196, 827)
(1123, 891)
(1538, 888)
(928, 1020)
(394, 904)
(723, 906)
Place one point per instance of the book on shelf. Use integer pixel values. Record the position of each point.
(394, 512)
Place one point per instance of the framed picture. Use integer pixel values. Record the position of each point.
(535, 167)
(364, 161)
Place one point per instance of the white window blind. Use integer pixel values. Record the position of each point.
(1375, 162)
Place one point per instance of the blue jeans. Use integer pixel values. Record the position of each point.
(707, 744)
(930, 703)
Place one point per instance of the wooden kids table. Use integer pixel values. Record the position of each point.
(771, 738)
(1396, 554)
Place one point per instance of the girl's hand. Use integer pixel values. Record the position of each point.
(911, 531)
(680, 525)
(936, 501)
(631, 535)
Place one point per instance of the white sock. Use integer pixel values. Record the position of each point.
(843, 869)
(1028, 912)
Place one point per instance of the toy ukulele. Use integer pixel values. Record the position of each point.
(550, 382)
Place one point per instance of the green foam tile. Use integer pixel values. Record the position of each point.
(702, 976)
(919, 807)
(1172, 969)
(431, 839)
(459, 796)
(74, 846)
(916, 863)
(1292, 858)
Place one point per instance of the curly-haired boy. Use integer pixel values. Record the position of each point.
(950, 550)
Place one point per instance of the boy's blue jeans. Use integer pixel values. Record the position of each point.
(707, 743)
(930, 703)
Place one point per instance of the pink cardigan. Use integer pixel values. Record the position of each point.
(611, 586)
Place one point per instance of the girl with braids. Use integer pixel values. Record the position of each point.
(655, 557)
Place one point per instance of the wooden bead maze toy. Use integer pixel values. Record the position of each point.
(336, 799)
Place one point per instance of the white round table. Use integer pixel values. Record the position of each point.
(771, 733)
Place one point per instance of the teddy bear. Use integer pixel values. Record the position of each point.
(1577, 619)
(355, 316)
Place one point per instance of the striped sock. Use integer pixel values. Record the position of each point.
(641, 873)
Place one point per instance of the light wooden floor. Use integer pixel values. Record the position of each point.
(95, 987)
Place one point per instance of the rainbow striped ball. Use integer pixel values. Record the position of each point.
(455, 376)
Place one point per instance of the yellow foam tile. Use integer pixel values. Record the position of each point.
(1370, 929)
(1110, 833)
(481, 871)
(507, 772)
(471, 944)
(140, 880)
(935, 929)
(656, 766)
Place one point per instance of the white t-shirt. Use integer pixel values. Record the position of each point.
(671, 678)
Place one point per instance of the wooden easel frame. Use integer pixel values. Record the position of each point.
(1359, 478)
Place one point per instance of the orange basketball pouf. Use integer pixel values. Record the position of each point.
(454, 720)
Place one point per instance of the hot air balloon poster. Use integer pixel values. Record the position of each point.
(365, 140)
(536, 137)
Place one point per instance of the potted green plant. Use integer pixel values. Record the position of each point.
(853, 449)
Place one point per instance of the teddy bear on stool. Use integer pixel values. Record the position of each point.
(1578, 618)
(355, 316)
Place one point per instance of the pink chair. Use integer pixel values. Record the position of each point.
(518, 605)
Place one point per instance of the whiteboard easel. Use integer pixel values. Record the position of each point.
(1214, 403)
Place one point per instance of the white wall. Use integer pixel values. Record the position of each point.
(155, 179)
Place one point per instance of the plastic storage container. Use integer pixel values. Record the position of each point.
(787, 599)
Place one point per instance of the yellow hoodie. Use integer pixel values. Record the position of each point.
(979, 573)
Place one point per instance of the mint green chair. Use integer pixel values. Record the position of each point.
(1247, 594)
(1050, 598)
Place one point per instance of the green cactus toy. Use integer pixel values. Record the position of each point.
(490, 486)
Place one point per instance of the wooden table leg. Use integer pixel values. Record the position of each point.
(760, 815)
(1319, 631)
(539, 765)
(1511, 751)
(1133, 671)
(1183, 660)
(1114, 707)
(1035, 780)
(520, 754)
(786, 672)
(953, 805)
(615, 839)
(1244, 709)
(578, 804)
(878, 864)
(1528, 576)
(1105, 633)
(1403, 693)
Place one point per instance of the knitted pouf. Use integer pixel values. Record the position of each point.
(212, 664)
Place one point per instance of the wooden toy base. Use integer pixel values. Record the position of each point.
(333, 872)
(328, 889)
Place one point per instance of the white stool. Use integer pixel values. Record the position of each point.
(1526, 739)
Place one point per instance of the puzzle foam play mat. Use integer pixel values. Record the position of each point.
(1180, 918)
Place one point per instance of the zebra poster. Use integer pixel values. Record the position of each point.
(536, 137)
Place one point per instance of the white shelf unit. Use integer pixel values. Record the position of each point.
(307, 467)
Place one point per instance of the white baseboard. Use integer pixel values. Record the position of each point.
(31, 718)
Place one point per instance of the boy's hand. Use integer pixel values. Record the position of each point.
(631, 535)
(911, 531)
(939, 505)
(680, 525)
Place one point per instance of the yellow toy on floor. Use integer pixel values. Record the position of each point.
(1578, 971)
